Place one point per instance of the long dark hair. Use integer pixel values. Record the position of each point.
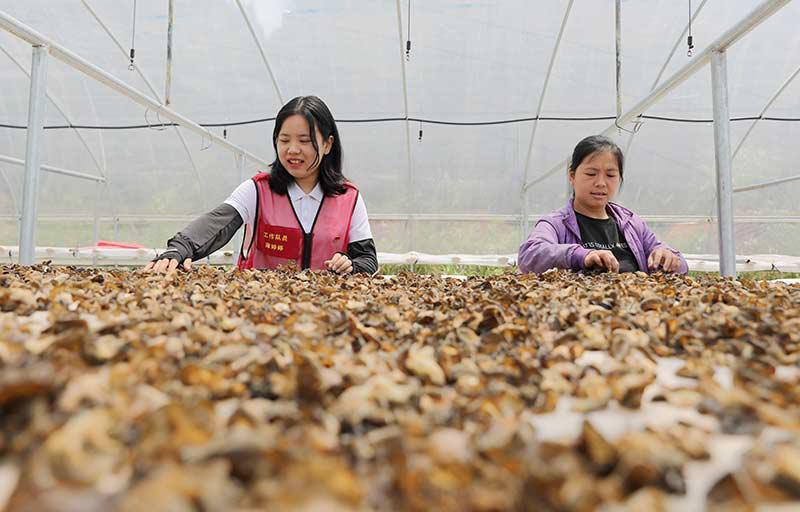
(593, 144)
(319, 118)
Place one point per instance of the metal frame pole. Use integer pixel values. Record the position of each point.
(410, 198)
(33, 154)
(722, 156)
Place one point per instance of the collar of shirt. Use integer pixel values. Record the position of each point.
(296, 193)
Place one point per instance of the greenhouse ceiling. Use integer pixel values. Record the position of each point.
(456, 117)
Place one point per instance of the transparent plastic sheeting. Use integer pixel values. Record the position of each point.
(470, 62)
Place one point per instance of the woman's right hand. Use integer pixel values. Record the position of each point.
(602, 259)
(167, 265)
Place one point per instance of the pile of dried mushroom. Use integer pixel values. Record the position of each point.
(225, 390)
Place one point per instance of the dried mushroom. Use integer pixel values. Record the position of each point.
(227, 390)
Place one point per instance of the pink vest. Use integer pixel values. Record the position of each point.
(279, 238)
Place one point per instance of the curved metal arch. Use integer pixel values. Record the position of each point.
(757, 16)
(56, 103)
(524, 190)
(260, 50)
(761, 114)
(152, 90)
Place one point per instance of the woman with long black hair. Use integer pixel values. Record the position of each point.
(303, 212)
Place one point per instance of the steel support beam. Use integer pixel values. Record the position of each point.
(766, 184)
(54, 170)
(757, 16)
(33, 154)
(26, 33)
(722, 157)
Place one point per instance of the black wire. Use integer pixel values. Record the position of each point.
(511, 121)
(398, 119)
(238, 123)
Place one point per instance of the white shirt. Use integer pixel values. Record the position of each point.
(243, 199)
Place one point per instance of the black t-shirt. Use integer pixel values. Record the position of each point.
(604, 234)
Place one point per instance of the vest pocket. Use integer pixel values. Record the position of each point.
(281, 242)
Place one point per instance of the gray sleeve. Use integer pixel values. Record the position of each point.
(205, 234)
(363, 256)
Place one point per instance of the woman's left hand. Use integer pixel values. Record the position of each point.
(663, 259)
(340, 264)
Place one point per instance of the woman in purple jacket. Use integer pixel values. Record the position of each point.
(592, 233)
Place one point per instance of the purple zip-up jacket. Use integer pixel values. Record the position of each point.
(555, 241)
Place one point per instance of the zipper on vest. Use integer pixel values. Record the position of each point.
(307, 237)
(306, 259)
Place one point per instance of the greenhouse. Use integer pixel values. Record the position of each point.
(470, 362)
